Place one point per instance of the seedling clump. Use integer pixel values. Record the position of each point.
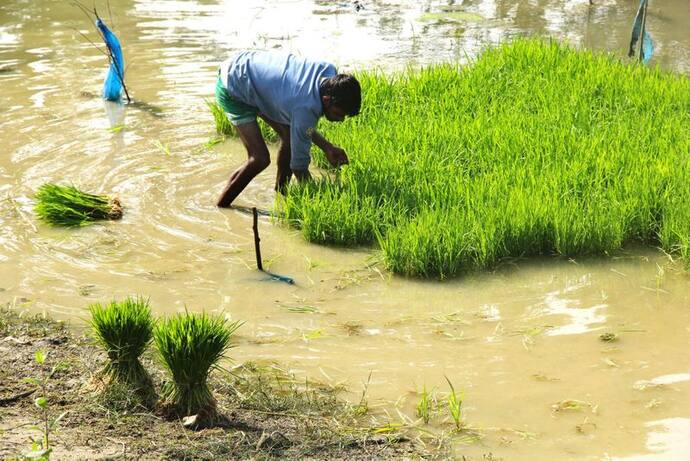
(190, 346)
(125, 329)
(70, 207)
(534, 148)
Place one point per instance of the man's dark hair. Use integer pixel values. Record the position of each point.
(344, 91)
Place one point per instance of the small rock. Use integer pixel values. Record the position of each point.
(189, 421)
(20, 341)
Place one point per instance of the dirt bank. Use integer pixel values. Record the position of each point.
(268, 414)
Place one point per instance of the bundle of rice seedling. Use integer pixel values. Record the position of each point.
(190, 346)
(70, 207)
(125, 329)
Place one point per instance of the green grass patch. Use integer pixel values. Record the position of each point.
(190, 346)
(70, 207)
(534, 148)
(125, 329)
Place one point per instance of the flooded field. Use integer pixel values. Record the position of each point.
(525, 343)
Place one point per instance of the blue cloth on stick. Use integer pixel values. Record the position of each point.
(112, 87)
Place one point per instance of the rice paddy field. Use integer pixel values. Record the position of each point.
(511, 233)
(533, 148)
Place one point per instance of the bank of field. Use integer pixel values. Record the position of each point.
(535, 148)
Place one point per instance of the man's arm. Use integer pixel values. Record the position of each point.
(334, 154)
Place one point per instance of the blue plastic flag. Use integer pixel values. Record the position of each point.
(639, 29)
(114, 80)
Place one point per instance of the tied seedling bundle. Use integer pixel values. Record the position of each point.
(124, 330)
(70, 207)
(190, 346)
(535, 148)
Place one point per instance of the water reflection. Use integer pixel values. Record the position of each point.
(566, 305)
(668, 440)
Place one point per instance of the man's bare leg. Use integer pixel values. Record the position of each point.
(257, 161)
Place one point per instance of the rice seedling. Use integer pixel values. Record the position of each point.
(223, 125)
(213, 142)
(425, 405)
(125, 329)
(312, 335)
(190, 346)
(70, 207)
(225, 128)
(535, 148)
(455, 405)
(164, 148)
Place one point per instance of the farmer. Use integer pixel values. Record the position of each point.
(290, 93)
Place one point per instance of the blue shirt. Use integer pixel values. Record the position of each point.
(285, 88)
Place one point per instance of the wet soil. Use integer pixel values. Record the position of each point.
(265, 414)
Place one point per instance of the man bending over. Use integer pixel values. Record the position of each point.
(290, 93)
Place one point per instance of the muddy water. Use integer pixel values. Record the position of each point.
(518, 341)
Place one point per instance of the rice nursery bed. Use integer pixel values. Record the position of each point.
(535, 148)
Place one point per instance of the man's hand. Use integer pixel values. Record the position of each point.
(336, 156)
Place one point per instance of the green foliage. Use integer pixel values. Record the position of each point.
(225, 128)
(41, 449)
(125, 329)
(190, 346)
(425, 406)
(223, 125)
(455, 405)
(535, 148)
(68, 206)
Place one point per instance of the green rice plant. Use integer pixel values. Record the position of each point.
(70, 207)
(190, 346)
(125, 329)
(425, 406)
(223, 125)
(535, 148)
(455, 405)
(213, 142)
(225, 128)
(164, 148)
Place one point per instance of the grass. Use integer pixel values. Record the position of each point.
(535, 148)
(425, 406)
(70, 207)
(223, 125)
(125, 329)
(455, 405)
(190, 346)
(225, 128)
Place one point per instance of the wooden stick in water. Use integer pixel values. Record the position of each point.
(257, 245)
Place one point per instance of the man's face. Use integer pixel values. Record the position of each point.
(332, 112)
